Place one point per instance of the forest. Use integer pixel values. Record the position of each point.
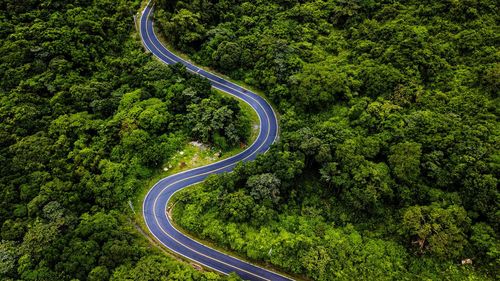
(386, 168)
(86, 117)
(388, 160)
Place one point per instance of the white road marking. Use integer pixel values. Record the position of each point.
(209, 172)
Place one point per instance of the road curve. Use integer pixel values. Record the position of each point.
(155, 202)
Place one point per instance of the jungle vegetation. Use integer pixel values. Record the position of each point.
(388, 160)
(86, 117)
(387, 165)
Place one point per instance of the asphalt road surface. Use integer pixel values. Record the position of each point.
(155, 203)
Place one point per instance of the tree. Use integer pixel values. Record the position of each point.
(86, 115)
(99, 273)
(405, 161)
(264, 187)
(318, 85)
(227, 56)
(379, 79)
(485, 243)
(8, 258)
(437, 230)
(217, 121)
(369, 187)
(317, 262)
(184, 29)
(237, 206)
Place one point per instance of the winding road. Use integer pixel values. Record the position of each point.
(155, 202)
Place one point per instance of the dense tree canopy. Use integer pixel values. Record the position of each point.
(387, 165)
(86, 116)
(389, 135)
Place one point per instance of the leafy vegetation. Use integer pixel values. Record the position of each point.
(388, 160)
(86, 116)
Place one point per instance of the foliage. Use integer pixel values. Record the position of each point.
(389, 127)
(218, 121)
(86, 117)
(436, 229)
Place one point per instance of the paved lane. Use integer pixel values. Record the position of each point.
(155, 203)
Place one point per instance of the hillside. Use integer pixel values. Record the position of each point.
(87, 118)
(387, 165)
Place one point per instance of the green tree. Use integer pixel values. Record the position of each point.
(405, 161)
(484, 240)
(99, 273)
(217, 121)
(237, 206)
(184, 29)
(437, 230)
(264, 187)
(227, 56)
(8, 259)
